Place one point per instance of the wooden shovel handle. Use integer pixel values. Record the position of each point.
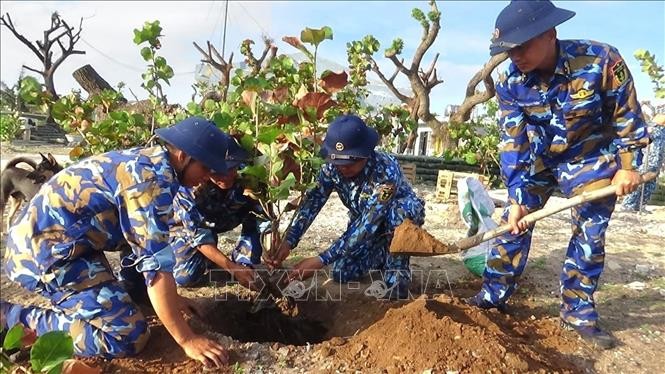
(530, 218)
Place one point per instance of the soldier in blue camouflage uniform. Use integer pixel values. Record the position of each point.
(217, 206)
(99, 205)
(570, 120)
(379, 198)
(655, 158)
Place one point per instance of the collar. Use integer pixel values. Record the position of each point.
(369, 166)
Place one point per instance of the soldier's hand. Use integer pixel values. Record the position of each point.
(515, 215)
(278, 257)
(209, 352)
(305, 268)
(626, 181)
(243, 274)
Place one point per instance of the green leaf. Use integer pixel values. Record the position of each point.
(31, 90)
(146, 53)
(471, 158)
(222, 120)
(247, 141)
(59, 111)
(257, 171)
(276, 166)
(50, 351)
(316, 36)
(282, 191)
(149, 33)
(256, 83)
(13, 338)
(194, 109)
(268, 134)
(118, 116)
(209, 105)
(160, 62)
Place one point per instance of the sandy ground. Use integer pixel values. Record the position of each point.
(631, 297)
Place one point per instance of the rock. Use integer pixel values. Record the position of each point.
(284, 351)
(642, 269)
(337, 341)
(517, 362)
(662, 292)
(636, 286)
(325, 352)
(613, 265)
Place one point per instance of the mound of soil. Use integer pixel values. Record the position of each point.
(443, 334)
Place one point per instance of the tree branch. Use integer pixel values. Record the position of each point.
(216, 60)
(268, 46)
(426, 74)
(389, 82)
(392, 77)
(433, 81)
(474, 97)
(428, 38)
(10, 25)
(33, 70)
(400, 65)
(72, 39)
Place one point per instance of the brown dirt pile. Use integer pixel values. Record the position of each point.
(413, 240)
(445, 335)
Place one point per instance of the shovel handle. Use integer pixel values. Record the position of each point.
(531, 218)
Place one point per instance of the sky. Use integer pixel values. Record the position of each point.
(463, 42)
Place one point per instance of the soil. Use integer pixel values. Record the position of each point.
(411, 239)
(434, 332)
(443, 335)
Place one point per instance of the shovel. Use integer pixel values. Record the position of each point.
(409, 239)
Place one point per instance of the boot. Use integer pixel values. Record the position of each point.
(592, 334)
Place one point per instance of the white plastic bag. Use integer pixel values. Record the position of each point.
(476, 208)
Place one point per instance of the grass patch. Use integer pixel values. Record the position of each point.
(539, 263)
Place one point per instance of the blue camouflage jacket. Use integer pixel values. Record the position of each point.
(368, 198)
(584, 124)
(200, 216)
(98, 204)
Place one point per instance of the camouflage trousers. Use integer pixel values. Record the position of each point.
(582, 266)
(102, 320)
(191, 265)
(374, 255)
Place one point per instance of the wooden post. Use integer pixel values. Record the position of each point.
(91, 81)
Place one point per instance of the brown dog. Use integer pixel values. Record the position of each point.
(21, 184)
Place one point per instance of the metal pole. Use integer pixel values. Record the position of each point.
(226, 13)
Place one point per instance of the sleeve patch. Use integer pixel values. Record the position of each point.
(386, 192)
(619, 72)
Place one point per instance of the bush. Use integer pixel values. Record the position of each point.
(9, 126)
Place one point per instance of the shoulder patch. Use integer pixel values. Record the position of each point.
(619, 71)
(386, 192)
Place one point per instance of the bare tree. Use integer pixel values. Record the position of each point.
(216, 60)
(213, 58)
(422, 81)
(59, 33)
